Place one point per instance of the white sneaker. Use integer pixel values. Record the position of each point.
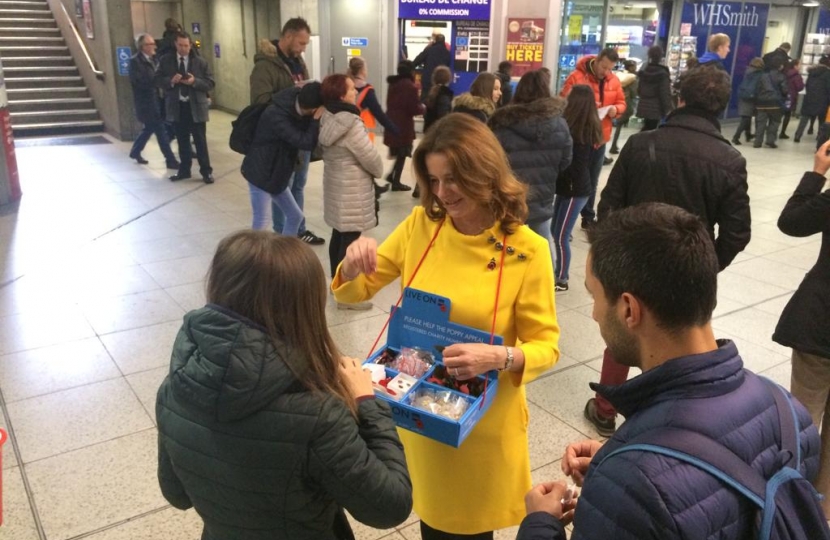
(360, 306)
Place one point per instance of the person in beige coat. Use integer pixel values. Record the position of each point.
(351, 162)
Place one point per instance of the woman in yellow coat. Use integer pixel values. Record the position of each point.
(472, 248)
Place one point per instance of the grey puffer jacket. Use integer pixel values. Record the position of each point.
(259, 456)
(350, 162)
(539, 146)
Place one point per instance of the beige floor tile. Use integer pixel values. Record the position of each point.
(579, 336)
(752, 325)
(169, 524)
(547, 437)
(35, 329)
(100, 485)
(364, 532)
(56, 423)
(803, 257)
(144, 348)
(9, 456)
(746, 290)
(780, 374)
(769, 271)
(179, 271)
(356, 338)
(189, 296)
(776, 305)
(564, 395)
(109, 315)
(93, 282)
(146, 385)
(165, 249)
(756, 358)
(18, 520)
(49, 369)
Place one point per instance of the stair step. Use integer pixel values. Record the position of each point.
(23, 4)
(16, 69)
(6, 30)
(28, 39)
(27, 21)
(8, 61)
(9, 51)
(31, 13)
(76, 123)
(68, 112)
(59, 81)
(51, 104)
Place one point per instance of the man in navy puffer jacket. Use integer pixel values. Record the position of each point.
(652, 271)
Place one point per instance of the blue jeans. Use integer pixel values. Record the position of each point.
(297, 187)
(565, 212)
(595, 168)
(147, 131)
(262, 202)
(543, 230)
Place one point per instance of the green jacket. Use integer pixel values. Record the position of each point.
(259, 456)
(270, 73)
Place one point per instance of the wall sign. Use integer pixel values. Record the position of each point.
(525, 44)
(88, 22)
(823, 26)
(196, 28)
(447, 10)
(746, 26)
(354, 41)
(123, 54)
(217, 52)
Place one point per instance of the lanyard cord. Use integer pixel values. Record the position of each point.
(495, 312)
(398, 303)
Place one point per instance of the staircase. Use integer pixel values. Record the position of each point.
(47, 95)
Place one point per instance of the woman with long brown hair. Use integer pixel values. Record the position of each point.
(480, 102)
(573, 187)
(264, 428)
(473, 248)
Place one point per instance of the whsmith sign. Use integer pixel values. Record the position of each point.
(723, 14)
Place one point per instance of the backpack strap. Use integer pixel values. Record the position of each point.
(362, 95)
(790, 428)
(705, 454)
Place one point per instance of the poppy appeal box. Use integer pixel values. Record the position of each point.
(409, 374)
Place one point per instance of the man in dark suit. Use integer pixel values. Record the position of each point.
(186, 80)
(435, 54)
(145, 100)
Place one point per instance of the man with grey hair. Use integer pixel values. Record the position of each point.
(146, 102)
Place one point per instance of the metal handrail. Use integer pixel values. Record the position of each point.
(98, 73)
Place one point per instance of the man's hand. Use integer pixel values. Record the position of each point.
(176, 78)
(547, 497)
(612, 112)
(189, 80)
(577, 458)
(821, 163)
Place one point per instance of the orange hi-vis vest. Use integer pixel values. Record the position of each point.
(365, 114)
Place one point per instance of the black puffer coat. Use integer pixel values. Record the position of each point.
(280, 134)
(687, 163)
(654, 92)
(817, 98)
(538, 144)
(259, 456)
(804, 323)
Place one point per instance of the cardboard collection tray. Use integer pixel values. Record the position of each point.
(422, 322)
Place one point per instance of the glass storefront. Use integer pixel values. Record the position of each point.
(589, 25)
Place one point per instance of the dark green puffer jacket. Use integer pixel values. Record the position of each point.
(260, 457)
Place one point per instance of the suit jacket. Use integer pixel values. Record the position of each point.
(169, 66)
(145, 93)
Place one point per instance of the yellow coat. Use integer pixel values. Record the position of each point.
(481, 485)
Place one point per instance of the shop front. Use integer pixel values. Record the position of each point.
(465, 24)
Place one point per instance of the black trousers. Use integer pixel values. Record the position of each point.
(428, 533)
(186, 127)
(337, 247)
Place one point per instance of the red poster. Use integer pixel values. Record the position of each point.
(525, 44)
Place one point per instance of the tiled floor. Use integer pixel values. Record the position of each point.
(104, 257)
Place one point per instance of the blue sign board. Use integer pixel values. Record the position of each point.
(445, 10)
(823, 26)
(567, 61)
(217, 52)
(356, 42)
(122, 55)
(196, 27)
(746, 26)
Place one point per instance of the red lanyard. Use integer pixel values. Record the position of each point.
(412, 278)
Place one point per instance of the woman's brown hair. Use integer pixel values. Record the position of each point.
(440, 77)
(277, 282)
(582, 116)
(483, 86)
(532, 86)
(479, 168)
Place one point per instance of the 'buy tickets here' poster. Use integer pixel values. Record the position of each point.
(525, 44)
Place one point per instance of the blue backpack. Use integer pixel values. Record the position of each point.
(788, 506)
(748, 89)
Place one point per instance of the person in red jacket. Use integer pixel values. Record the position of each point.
(595, 71)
